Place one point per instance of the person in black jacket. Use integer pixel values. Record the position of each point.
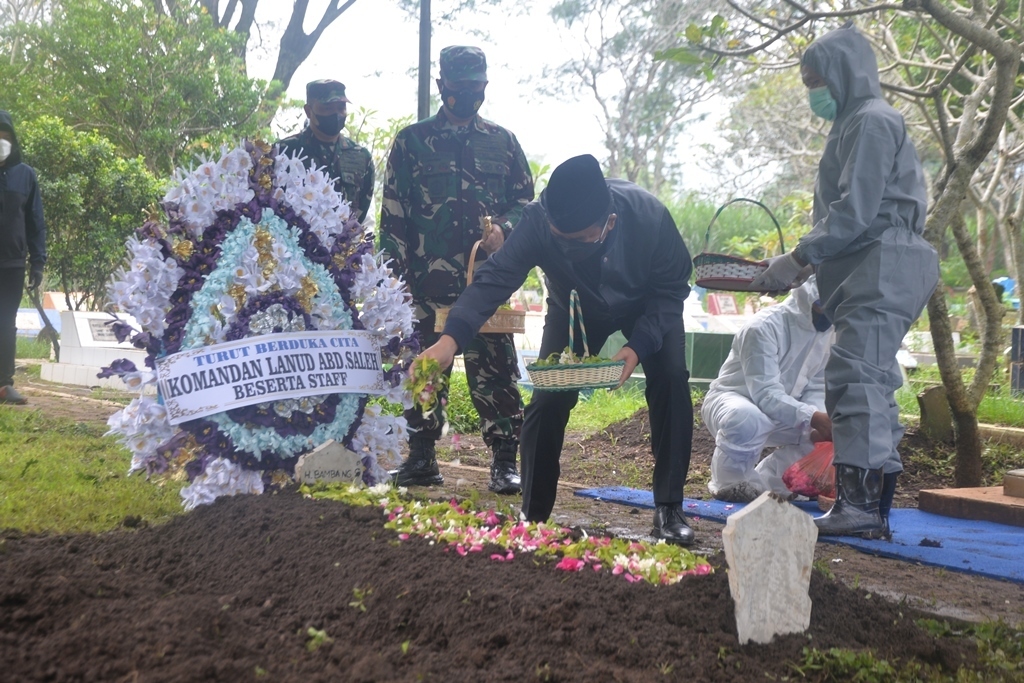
(618, 246)
(22, 243)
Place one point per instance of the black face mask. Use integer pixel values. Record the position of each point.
(462, 103)
(330, 124)
(576, 251)
(818, 318)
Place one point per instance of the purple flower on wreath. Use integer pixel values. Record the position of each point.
(119, 367)
(121, 330)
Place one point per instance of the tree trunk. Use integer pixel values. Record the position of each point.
(47, 332)
(1016, 264)
(296, 44)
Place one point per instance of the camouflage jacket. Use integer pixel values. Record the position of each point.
(439, 184)
(349, 164)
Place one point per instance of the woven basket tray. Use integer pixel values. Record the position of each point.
(576, 376)
(504, 320)
(725, 272)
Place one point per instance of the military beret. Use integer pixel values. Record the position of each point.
(463, 63)
(577, 195)
(325, 90)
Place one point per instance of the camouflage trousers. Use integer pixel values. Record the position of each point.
(492, 368)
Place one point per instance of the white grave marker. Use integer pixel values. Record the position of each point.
(769, 546)
(329, 462)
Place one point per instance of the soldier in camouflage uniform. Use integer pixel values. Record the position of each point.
(323, 145)
(444, 175)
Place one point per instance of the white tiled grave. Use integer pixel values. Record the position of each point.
(87, 345)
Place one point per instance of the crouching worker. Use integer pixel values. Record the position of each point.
(769, 392)
(617, 245)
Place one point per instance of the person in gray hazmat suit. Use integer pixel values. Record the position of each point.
(875, 271)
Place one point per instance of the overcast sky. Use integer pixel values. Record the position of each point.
(373, 49)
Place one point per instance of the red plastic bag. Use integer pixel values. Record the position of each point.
(813, 474)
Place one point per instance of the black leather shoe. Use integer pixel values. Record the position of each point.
(504, 478)
(420, 469)
(858, 491)
(670, 525)
(884, 506)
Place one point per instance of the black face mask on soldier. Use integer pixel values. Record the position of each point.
(330, 124)
(463, 103)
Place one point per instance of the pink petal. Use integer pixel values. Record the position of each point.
(498, 558)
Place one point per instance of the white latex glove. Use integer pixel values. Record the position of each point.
(806, 272)
(782, 271)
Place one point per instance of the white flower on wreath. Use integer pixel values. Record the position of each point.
(221, 478)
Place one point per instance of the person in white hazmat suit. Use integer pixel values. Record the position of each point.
(769, 392)
(875, 271)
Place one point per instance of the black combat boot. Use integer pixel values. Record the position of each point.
(504, 478)
(884, 506)
(855, 511)
(670, 524)
(420, 469)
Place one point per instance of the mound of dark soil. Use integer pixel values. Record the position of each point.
(229, 593)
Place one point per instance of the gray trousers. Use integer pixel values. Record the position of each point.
(872, 297)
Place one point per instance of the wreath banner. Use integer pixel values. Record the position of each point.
(272, 367)
(253, 247)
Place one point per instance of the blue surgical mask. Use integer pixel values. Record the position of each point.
(822, 102)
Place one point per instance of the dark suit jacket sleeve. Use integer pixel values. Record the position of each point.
(669, 287)
(494, 282)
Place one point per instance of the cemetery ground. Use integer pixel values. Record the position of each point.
(103, 578)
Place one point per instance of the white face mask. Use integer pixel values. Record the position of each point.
(5, 149)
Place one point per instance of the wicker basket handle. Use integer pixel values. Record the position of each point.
(574, 305)
(707, 235)
(472, 252)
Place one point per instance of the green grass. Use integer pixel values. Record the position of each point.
(594, 412)
(30, 348)
(996, 407)
(61, 476)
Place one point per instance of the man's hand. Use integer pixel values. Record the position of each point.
(35, 277)
(443, 352)
(782, 272)
(821, 427)
(493, 239)
(629, 355)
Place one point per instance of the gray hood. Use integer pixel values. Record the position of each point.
(845, 60)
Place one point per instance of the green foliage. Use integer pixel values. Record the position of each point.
(93, 200)
(155, 86)
(836, 664)
(462, 416)
(32, 348)
(317, 638)
(59, 476)
(742, 229)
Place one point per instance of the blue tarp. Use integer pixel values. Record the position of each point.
(983, 548)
